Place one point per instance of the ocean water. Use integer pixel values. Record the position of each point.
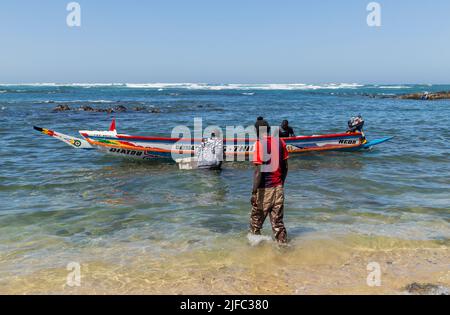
(60, 205)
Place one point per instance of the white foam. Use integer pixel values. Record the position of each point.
(255, 240)
(90, 101)
(94, 84)
(234, 86)
(79, 101)
(45, 84)
(216, 87)
(157, 85)
(394, 87)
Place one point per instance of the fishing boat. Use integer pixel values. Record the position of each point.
(240, 149)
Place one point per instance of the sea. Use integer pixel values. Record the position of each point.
(149, 227)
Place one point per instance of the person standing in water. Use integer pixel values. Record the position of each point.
(285, 130)
(271, 167)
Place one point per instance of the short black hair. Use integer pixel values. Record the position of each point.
(262, 123)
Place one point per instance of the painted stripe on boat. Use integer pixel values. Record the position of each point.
(238, 140)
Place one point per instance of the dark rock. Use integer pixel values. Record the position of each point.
(426, 289)
(104, 110)
(426, 96)
(116, 109)
(87, 108)
(120, 109)
(61, 108)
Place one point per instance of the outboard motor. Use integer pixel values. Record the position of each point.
(356, 124)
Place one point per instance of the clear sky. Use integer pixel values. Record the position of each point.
(225, 41)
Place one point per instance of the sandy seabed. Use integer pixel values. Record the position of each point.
(327, 266)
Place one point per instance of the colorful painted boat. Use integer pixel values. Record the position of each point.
(141, 147)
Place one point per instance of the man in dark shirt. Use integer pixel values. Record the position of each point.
(271, 167)
(285, 130)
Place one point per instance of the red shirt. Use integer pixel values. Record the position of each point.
(271, 160)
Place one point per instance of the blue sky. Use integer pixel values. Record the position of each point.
(218, 41)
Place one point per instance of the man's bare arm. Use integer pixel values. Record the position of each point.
(284, 170)
(256, 178)
(256, 182)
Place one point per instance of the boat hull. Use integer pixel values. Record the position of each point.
(235, 149)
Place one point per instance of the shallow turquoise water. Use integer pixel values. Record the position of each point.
(57, 201)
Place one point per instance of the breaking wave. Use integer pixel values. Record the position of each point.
(83, 101)
(29, 87)
(232, 86)
(255, 240)
(394, 87)
(61, 84)
(199, 86)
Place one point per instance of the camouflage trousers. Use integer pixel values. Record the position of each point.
(269, 201)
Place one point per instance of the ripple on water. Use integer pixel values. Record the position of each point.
(61, 205)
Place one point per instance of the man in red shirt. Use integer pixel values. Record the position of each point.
(271, 167)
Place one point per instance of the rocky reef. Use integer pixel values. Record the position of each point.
(426, 289)
(109, 110)
(62, 108)
(426, 96)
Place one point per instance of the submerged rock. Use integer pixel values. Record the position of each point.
(87, 108)
(61, 108)
(104, 110)
(116, 109)
(426, 289)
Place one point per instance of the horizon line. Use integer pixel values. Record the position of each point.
(219, 83)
